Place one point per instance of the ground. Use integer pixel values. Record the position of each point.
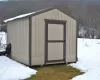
(88, 59)
(88, 62)
(12, 70)
(55, 72)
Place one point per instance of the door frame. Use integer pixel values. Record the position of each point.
(50, 21)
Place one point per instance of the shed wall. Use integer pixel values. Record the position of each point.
(38, 36)
(18, 36)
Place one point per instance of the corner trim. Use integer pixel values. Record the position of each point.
(30, 39)
(77, 25)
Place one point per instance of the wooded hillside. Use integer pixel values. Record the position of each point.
(86, 12)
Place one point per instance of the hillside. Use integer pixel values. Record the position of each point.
(80, 10)
(86, 12)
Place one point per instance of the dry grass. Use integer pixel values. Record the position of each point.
(56, 72)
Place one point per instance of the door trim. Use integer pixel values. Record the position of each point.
(50, 21)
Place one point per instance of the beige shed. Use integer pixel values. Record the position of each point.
(48, 36)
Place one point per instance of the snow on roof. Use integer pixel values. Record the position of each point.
(24, 15)
(17, 17)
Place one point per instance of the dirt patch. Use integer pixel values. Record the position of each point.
(55, 72)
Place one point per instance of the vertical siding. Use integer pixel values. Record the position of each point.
(38, 36)
(18, 36)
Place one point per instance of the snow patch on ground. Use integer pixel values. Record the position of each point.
(3, 35)
(88, 59)
(3, 41)
(12, 70)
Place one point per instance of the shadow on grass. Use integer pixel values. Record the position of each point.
(55, 72)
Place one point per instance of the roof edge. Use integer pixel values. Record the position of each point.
(29, 14)
(35, 13)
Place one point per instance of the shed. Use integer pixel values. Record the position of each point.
(48, 36)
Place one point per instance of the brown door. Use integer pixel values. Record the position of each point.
(55, 41)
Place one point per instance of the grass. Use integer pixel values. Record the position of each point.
(55, 72)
